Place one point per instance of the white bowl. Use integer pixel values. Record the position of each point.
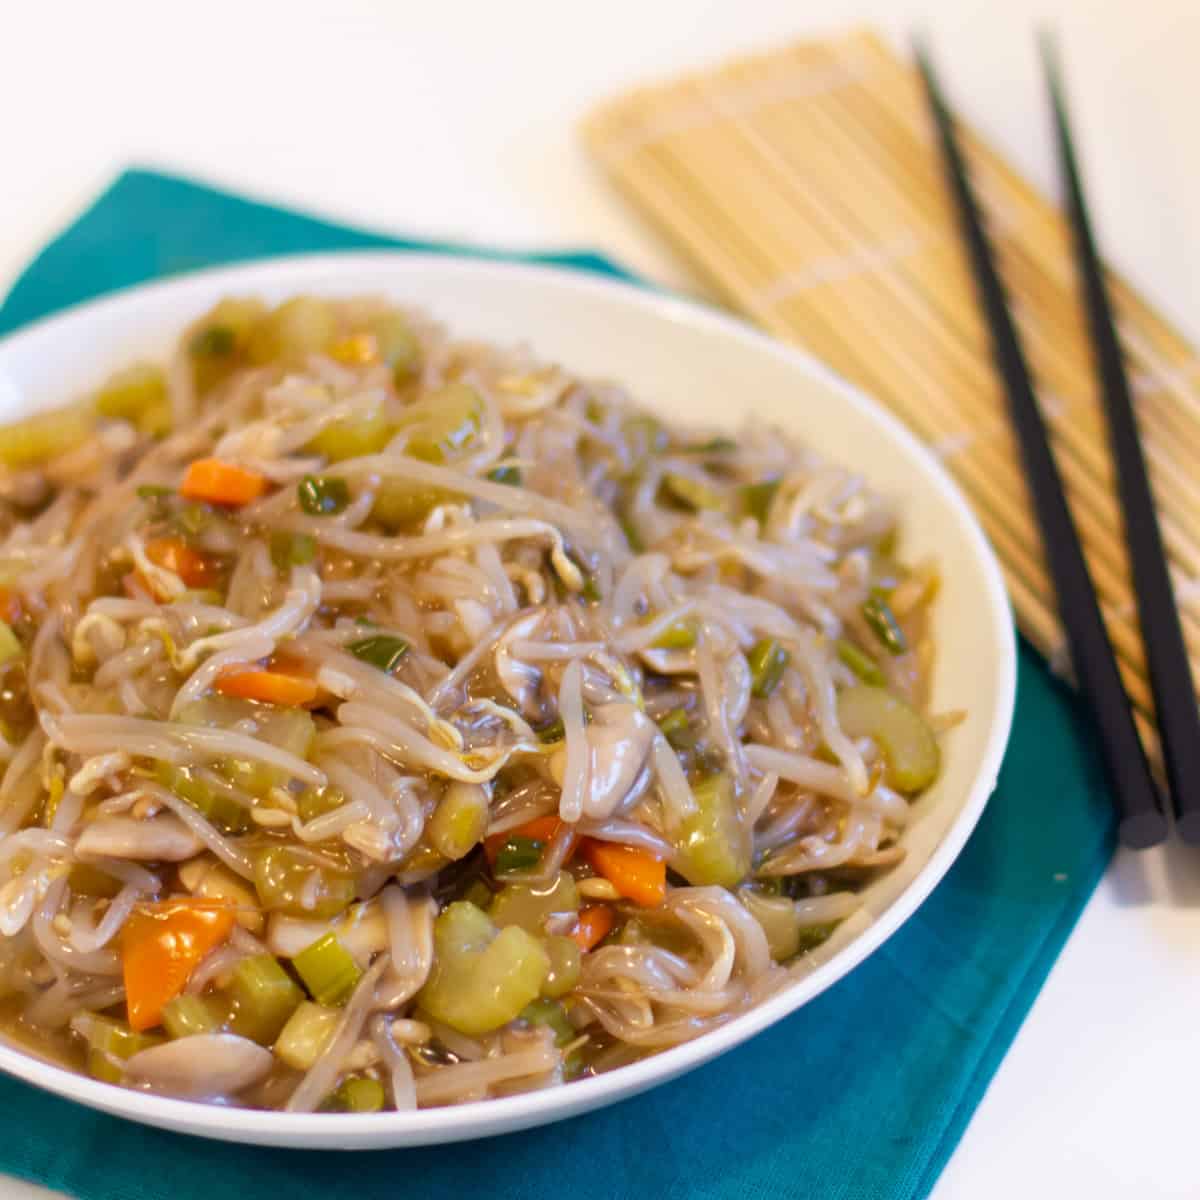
(693, 365)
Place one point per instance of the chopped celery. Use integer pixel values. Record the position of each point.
(768, 660)
(679, 635)
(323, 495)
(328, 970)
(566, 961)
(518, 854)
(263, 996)
(482, 977)
(299, 327)
(779, 920)
(554, 732)
(358, 1094)
(811, 936)
(292, 549)
(307, 1033)
(187, 1015)
(551, 1013)
(110, 1040)
(459, 821)
(529, 907)
(714, 845)
(315, 802)
(288, 881)
(909, 748)
(861, 663)
(397, 346)
(506, 474)
(10, 646)
(139, 395)
(879, 616)
(685, 492)
(353, 437)
(756, 498)
(644, 435)
(443, 422)
(675, 724)
(43, 436)
(290, 729)
(380, 650)
(400, 505)
(206, 798)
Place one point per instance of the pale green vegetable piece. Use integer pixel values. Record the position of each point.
(903, 736)
(353, 437)
(713, 846)
(188, 1015)
(306, 1035)
(263, 997)
(398, 346)
(779, 920)
(443, 422)
(288, 881)
(401, 504)
(299, 327)
(139, 395)
(459, 821)
(528, 906)
(566, 961)
(482, 977)
(44, 435)
(328, 970)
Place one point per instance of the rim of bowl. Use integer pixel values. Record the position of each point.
(485, 1117)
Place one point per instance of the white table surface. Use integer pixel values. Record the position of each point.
(458, 120)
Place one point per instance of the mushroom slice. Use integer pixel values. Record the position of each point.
(204, 1066)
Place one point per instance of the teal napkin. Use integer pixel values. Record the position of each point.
(862, 1095)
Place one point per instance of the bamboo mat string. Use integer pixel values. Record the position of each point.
(804, 184)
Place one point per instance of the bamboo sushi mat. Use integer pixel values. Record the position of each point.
(806, 187)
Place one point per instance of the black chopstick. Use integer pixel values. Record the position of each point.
(1158, 614)
(1140, 819)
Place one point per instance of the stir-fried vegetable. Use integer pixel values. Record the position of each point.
(138, 395)
(308, 1032)
(679, 635)
(381, 650)
(161, 945)
(299, 327)
(593, 926)
(289, 880)
(268, 687)
(188, 1015)
(196, 570)
(10, 644)
(506, 473)
(636, 874)
(205, 796)
(902, 734)
(482, 976)
(714, 846)
(43, 436)
(359, 1094)
(768, 660)
(532, 906)
(110, 1043)
(444, 423)
(689, 493)
(779, 920)
(328, 970)
(553, 1015)
(262, 998)
(861, 663)
(323, 495)
(353, 437)
(879, 616)
(396, 345)
(565, 964)
(539, 831)
(459, 821)
(217, 482)
(757, 498)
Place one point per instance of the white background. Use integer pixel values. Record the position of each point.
(458, 120)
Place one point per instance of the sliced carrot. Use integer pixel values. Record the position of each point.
(540, 829)
(10, 606)
(174, 554)
(636, 874)
(269, 687)
(592, 926)
(218, 482)
(161, 945)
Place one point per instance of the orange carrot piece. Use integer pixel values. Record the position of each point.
(161, 945)
(174, 554)
(592, 926)
(218, 482)
(636, 874)
(269, 687)
(10, 606)
(540, 829)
